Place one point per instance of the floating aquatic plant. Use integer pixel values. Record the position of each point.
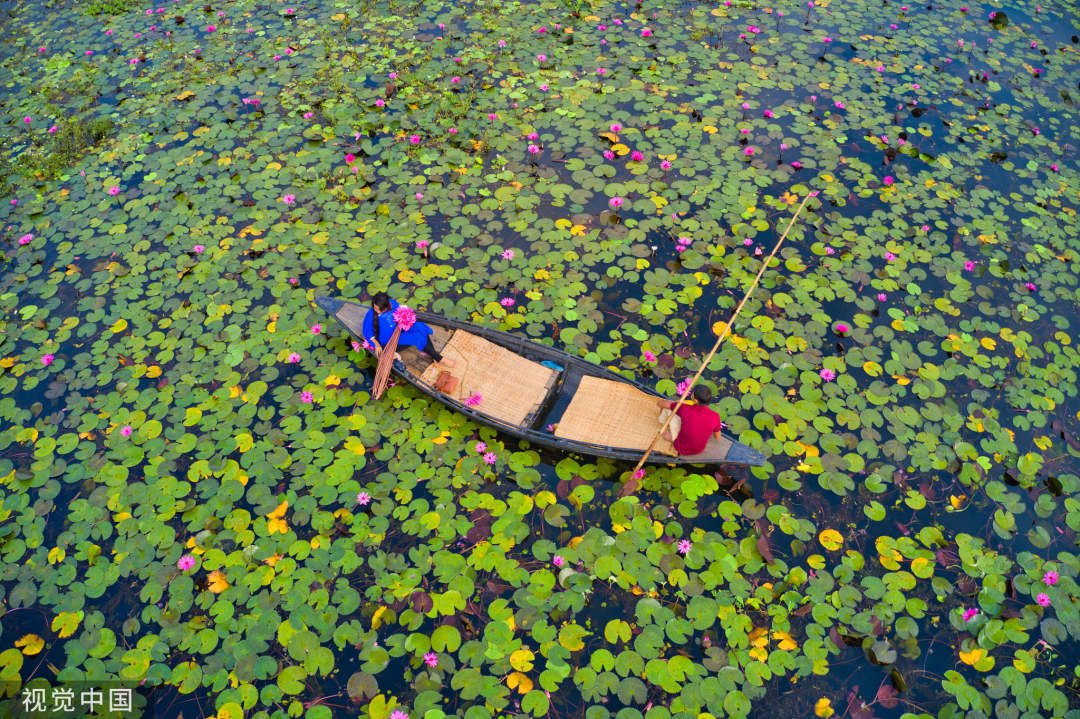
(187, 435)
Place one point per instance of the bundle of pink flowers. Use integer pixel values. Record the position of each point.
(405, 318)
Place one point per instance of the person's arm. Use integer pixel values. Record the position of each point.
(663, 404)
(368, 330)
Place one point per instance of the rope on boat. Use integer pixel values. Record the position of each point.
(631, 484)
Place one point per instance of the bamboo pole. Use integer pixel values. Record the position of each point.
(631, 483)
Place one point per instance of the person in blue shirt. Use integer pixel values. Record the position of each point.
(379, 326)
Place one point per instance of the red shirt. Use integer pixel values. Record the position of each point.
(698, 424)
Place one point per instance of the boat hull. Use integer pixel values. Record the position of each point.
(535, 426)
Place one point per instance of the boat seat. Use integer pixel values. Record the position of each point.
(511, 388)
(613, 414)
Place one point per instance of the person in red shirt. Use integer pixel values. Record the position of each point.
(697, 423)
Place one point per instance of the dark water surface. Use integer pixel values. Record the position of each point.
(936, 473)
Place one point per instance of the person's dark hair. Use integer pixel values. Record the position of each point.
(702, 393)
(380, 302)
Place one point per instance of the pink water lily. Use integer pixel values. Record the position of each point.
(126, 430)
(970, 614)
(431, 659)
(1042, 599)
(306, 397)
(558, 561)
(1050, 578)
(404, 317)
(185, 562)
(684, 546)
(491, 457)
(508, 254)
(827, 374)
(615, 203)
(363, 498)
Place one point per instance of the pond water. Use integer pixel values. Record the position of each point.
(200, 498)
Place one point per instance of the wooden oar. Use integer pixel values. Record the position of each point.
(386, 363)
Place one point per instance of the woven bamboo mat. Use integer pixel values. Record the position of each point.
(510, 387)
(613, 414)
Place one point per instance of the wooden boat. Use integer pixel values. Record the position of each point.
(539, 393)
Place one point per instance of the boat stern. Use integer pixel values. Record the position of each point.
(330, 304)
(741, 454)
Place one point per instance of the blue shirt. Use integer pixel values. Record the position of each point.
(416, 336)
